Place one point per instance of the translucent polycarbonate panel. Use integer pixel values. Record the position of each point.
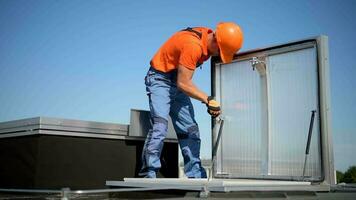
(240, 91)
(267, 115)
(293, 94)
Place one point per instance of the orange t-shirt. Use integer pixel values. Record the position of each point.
(183, 48)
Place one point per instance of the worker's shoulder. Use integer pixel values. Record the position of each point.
(185, 37)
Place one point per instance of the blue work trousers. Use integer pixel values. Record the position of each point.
(165, 99)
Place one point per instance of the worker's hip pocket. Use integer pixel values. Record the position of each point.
(159, 83)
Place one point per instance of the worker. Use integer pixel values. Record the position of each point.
(169, 86)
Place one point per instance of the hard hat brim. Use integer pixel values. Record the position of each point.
(226, 57)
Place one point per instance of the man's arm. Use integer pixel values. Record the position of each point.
(186, 85)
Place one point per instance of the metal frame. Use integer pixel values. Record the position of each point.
(66, 193)
(299, 191)
(68, 127)
(50, 123)
(219, 185)
(321, 42)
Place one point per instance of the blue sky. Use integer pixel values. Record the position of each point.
(87, 59)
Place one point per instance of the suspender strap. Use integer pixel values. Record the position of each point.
(199, 34)
(189, 29)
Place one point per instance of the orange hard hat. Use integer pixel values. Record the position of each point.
(229, 38)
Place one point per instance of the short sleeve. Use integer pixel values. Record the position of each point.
(190, 55)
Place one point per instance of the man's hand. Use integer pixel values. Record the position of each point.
(213, 107)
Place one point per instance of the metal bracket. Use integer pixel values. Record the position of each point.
(255, 61)
(65, 193)
(205, 193)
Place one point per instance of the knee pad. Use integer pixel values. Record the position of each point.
(193, 131)
(160, 124)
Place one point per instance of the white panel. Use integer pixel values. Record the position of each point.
(240, 148)
(293, 95)
(267, 114)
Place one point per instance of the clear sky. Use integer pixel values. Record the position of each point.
(87, 59)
